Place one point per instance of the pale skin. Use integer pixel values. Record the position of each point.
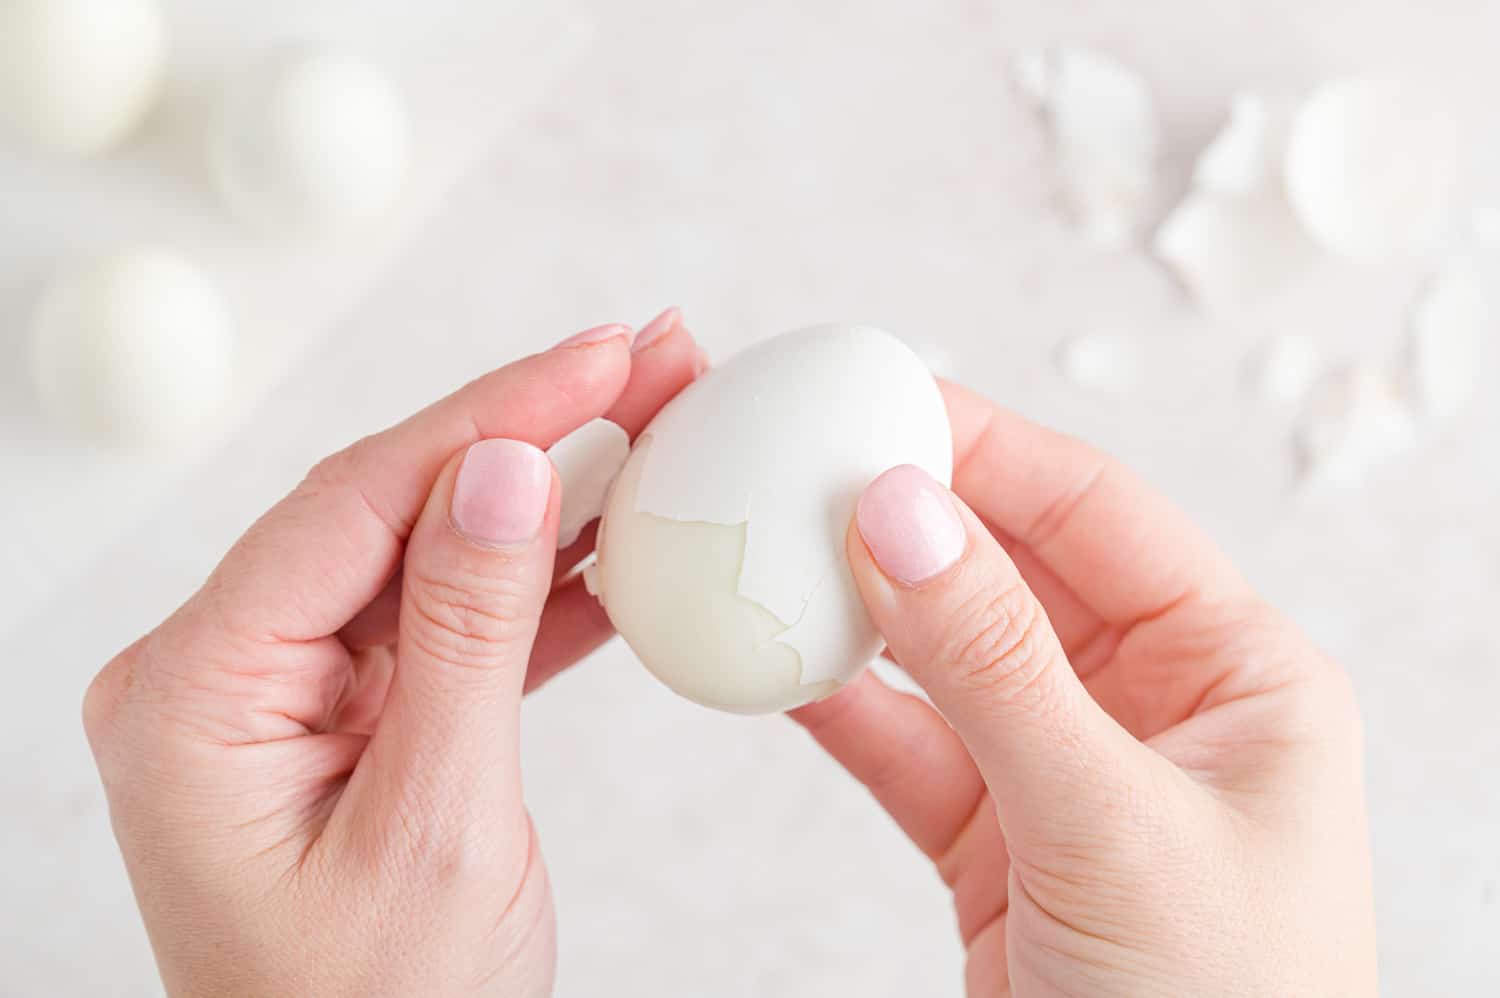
(1136, 779)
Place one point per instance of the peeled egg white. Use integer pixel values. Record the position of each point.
(309, 139)
(133, 349)
(721, 554)
(78, 75)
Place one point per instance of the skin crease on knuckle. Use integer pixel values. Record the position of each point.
(1000, 646)
(466, 623)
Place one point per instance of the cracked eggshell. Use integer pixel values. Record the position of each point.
(1230, 251)
(1283, 369)
(1357, 421)
(1373, 164)
(1031, 73)
(1246, 154)
(1109, 141)
(587, 461)
(721, 555)
(1106, 134)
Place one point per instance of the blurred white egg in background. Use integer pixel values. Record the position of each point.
(309, 139)
(77, 76)
(134, 349)
(1374, 165)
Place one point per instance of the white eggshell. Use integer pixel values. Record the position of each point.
(78, 75)
(134, 349)
(1031, 72)
(1230, 251)
(721, 555)
(1100, 361)
(1107, 135)
(1246, 154)
(1283, 369)
(1356, 422)
(310, 139)
(1372, 166)
(587, 461)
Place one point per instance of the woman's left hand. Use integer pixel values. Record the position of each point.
(312, 766)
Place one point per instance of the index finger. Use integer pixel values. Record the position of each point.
(324, 552)
(1123, 548)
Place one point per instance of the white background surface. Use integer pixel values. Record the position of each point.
(772, 167)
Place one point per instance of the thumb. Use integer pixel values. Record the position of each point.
(477, 572)
(960, 619)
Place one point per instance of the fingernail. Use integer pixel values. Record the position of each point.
(657, 328)
(596, 335)
(909, 524)
(501, 493)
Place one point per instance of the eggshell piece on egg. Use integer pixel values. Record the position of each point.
(1246, 154)
(721, 556)
(587, 461)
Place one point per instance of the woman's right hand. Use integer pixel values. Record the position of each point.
(1153, 782)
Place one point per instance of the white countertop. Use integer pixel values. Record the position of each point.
(773, 165)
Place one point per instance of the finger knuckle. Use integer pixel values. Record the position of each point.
(101, 699)
(465, 623)
(1341, 703)
(335, 469)
(1000, 646)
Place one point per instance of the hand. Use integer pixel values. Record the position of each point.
(1152, 784)
(312, 766)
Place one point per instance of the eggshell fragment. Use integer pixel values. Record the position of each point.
(310, 139)
(722, 549)
(1284, 369)
(1357, 421)
(587, 461)
(134, 349)
(1032, 75)
(77, 76)
(1232, 251)
(1245, 156)
(1102, 362)
(1233, 239)
(1372, 166)
(1448, 326)
(1107, 137)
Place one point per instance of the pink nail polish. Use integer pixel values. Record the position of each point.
(657, 328)
(501, 493)
(597, 335)
(910, 525)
